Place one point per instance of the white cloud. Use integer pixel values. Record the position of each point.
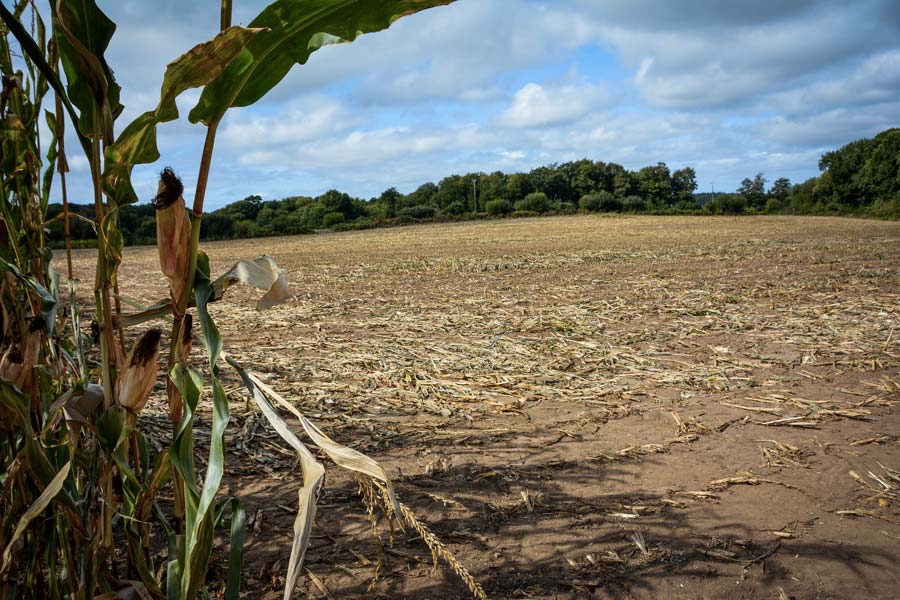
(299, 122)
(730, 88)
(536, 106)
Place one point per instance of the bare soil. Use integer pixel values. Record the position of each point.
(580, 407)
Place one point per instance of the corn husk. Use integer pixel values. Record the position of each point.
(138, 375)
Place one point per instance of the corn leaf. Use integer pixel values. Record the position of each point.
(296, 29)
(313, 473)
(345, 457)
(83, 33)
(199, 514)
(137, 143)
(262, 273)
(236, 551)
(36, 55)
(49, 300)
(50, 492)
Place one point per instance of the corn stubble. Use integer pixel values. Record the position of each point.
(90, 509)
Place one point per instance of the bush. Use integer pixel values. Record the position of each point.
(567, 208)
(609, 202)
(634, 204)
(331, 219)
(455, 209)
(498, 208)
(419, 211)
(534, 202)
(589, 202)
(523, 213)
(774, 205)
(727, 204)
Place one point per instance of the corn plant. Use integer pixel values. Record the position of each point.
(82, 511)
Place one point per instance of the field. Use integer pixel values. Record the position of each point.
(581, 407)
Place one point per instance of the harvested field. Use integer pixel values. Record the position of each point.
(580, 407)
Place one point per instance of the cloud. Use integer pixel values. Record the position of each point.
(731, 88)
(686, 61)
(299, 122)
(535, 106)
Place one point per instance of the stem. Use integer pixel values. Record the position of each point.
(62, 167)
(225, 15)
(101, 285)
(181, 303)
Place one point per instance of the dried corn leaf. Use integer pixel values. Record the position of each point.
(262, 273)
(343, 456)
(313, 473)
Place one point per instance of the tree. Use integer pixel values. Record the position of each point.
(518, 185)
(684, 184)
(491, 187)
(551, 181)
(454, 188)
(781, 189)
(424, 195)
(655, 185)
(388, 202)
(753, 191)
(624, 183)
(498, 207)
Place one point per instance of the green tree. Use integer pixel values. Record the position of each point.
(389, 202)
(753, 191)
(518, 185)
(684, 184)
(655, 186)
(426, 194)
(498, 207)
(454, 188)
(551, 181)
(781, 189)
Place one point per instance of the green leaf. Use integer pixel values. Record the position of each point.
(34, 52)
(111, 429)
(199, 531)
(83, 33)
(296, 29)
(50, 492)
(52, 155)
(114, 242)
(49, 301)
(236, 548)
(137, 143)
(200, 517)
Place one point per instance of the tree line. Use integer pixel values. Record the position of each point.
(861, 178)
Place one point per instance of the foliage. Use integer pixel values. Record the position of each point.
(536, 202)
(753, 191)
(727, 204)
(418, 212)
(498, 208)
(602, 201)
(454, 209)
(331, 219)
(634, 203)
(567, 208)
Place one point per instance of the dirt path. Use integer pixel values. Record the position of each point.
(583, 407)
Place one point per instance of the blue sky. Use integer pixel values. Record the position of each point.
(481, 85)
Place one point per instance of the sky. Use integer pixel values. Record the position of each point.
(728, 88)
